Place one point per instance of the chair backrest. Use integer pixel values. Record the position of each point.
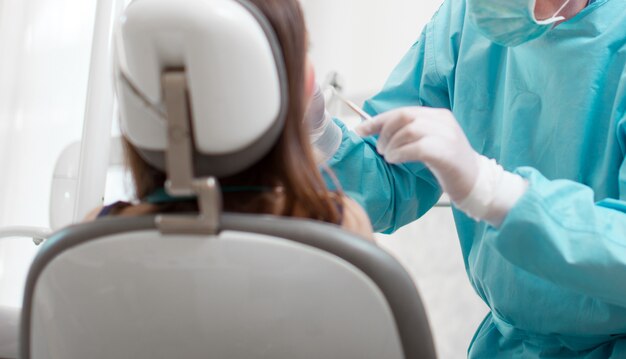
(264, 287)
(9, 328)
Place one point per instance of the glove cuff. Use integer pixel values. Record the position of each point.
(495, 193)
(326, 140)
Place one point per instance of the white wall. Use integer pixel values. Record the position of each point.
(364, 39)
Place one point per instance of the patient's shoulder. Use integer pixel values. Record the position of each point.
(93, 214)
(355, 219)
(120, 209)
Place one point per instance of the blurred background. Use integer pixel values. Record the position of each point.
(46, 47)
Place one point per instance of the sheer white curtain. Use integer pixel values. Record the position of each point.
(45, 47)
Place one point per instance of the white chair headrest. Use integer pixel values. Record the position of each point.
(236, 80)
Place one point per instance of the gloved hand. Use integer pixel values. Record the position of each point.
(324, 133)
(476, 185)
(431, 136)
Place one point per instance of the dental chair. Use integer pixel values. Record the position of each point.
(213, 284)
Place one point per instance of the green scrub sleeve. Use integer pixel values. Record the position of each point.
(558, 232)
(392, 195)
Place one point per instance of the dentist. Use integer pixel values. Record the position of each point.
(523, 123)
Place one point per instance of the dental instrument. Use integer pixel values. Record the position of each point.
(351, 105)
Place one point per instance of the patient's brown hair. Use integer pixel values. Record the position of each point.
(290, 164)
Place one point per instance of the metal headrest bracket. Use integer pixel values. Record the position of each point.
(179, 164)
(178, 155)
(208, 221)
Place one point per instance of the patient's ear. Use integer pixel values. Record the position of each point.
(309, 81)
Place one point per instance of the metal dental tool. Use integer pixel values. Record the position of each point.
(364, 116)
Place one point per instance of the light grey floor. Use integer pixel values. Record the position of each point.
(430, 251)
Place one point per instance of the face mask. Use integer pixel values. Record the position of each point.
(510, 22)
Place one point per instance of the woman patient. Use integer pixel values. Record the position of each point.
(286, 182)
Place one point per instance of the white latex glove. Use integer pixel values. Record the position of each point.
(476, 185)
(324, 133)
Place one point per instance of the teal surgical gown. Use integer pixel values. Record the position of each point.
(554, 111)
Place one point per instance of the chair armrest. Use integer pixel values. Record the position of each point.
(38, 234)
